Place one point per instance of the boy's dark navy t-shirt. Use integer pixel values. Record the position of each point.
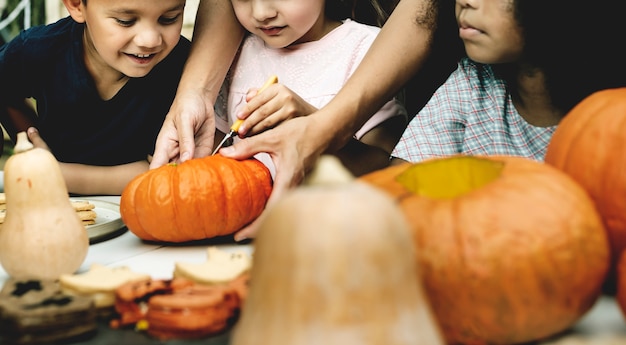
(46, 63)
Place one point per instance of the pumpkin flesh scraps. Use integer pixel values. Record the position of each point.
(449, 178)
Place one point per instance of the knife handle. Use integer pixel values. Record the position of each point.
(236, 125)
(272, 80)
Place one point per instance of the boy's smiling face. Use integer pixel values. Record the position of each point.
(129, 37)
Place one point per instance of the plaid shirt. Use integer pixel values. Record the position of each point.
(471, 113)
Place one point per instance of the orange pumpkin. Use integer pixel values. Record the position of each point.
(198, 199)
(589, 145)
(511, 250)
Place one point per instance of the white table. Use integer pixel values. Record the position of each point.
(155, 259)
(603, 325)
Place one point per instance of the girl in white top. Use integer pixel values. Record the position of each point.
(313, 47)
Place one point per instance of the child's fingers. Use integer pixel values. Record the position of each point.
(35, 138)
(256, 110)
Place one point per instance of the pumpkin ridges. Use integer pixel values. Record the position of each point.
(220, 187)
(129, 215)
(589, 146)
(569, 136)
(559, 284)
(182, 210)
(252, 180)
(189, 204)
(549, 301)
(577, 242)
(247, 208)
(161, 189)
(195, 200)
(245, 184)
(235, 209)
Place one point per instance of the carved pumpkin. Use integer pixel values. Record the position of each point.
(589, 145)
(511, 250)
(343, 274)
(198, 199)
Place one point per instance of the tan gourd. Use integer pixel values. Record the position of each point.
(42, 236)
(334, 264)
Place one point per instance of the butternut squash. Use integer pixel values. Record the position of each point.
(42, 236)
(334, 264)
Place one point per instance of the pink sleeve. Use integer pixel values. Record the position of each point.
(389, 110)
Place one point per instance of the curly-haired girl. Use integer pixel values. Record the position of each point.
(528, 63)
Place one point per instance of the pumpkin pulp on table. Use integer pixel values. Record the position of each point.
(511, 250)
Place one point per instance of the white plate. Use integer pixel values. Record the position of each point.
(108, 221)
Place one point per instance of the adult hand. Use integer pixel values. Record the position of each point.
(188, 130)
(294, 146)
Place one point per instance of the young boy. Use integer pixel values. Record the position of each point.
(103, 80)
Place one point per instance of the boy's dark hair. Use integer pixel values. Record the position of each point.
(576, 43)
(371, 12)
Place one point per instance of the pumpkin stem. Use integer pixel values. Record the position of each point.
(22, 143)
(328, 171)
(450, 177)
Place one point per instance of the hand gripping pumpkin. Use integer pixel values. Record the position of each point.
(197, 199)
(589, 145)
(511, 250)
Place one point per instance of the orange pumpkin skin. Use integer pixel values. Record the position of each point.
(198, 199)
(516, 260)
(589, 145)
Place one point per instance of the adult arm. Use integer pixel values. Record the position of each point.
(189, 127)
(399, 51)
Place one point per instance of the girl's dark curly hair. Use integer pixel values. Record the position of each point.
(576, 43)
(371, 12)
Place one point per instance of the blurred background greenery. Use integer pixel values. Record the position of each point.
(8, 30)
(37, 16)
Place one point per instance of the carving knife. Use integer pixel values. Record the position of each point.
(235, 127)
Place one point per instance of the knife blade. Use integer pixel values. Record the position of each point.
(235, 127)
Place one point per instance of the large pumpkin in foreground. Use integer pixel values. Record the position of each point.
(198, 199)
(590, 145)
(511, 250)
